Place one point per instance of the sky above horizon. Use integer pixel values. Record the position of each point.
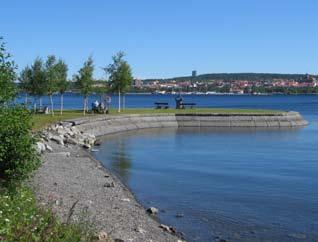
(167, 38)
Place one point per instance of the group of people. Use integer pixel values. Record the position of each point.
(102, 106)
(179, 102)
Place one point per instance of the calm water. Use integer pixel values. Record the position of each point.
(238, 184)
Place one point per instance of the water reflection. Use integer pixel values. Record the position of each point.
(120, 160)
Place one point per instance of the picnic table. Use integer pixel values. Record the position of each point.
(161, 105)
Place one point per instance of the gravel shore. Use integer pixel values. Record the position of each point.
(69, 176)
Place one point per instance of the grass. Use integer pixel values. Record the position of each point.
(198, 110)
(41, 120)
(22, 220)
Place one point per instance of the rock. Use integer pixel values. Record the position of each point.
(71, 141)
(60, 130)
(66, 154)
(118, 240)
(87, 146)
(89, 141)
(109, 184)
(173, 230)
(49, 148)
(103, 236)
(140, 230)
(58, 139)
(152, 210)
(98, 142)
(66, 124)
(75, 130)
(164, 227)
(40, 147)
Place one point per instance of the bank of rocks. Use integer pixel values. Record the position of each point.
(64, 134)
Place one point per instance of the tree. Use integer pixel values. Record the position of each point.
(120, 75)
(17, 152)
(62, 82)
(37, 87)
(84, 81)
(51, 77)
(7, 75)
(18, 157)
(25, 81)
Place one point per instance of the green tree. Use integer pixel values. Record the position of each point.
(25, 81)
(18, 157)
(120, 75)
(7, 75)
(84, 81)
(37, 87)
(62, 82)
(51, 76)
(17, 153)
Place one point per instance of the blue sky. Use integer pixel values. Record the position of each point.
(167, 38)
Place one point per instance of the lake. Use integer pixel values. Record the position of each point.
(234, 184)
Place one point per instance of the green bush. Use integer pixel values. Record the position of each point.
(18, 157)
(21, 220)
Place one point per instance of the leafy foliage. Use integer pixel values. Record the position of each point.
(51, 75)
(18, 157)
(120, 75)
(84, 78)
(7, 75)
(21, 220)
(37, 85)
(62, 83)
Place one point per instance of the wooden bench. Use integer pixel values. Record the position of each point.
(161, 105)
(190, 105)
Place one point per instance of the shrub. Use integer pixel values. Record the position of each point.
(18, 157)
(21, 220)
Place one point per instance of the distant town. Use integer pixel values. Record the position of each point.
(240, 83)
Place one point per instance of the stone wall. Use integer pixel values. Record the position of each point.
(103, 125)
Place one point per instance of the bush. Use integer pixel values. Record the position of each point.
(18, 157)
(21, 220)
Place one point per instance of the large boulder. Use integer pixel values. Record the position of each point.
(58, 139)
(40, 147)
(152, 210)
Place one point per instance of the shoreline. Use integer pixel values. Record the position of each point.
(70, 176)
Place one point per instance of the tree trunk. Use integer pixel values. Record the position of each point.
(34, 104)
(26, 99)
(84, 108)
(124, 102)
(52, 106)
(62, 104)
(118, 100)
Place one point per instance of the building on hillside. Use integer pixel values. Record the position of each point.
(137, 83)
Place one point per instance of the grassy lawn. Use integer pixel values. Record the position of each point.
(42, 120)
(197, 110)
